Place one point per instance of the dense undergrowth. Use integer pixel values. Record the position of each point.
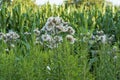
(78, 61)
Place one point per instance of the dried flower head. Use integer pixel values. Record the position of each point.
(60, 28)
(37, 32)
(70, 30)
(58, 20)
(50, 19)
(58, 39)
(103, 38)
(65, 29)
(49, 28)
(71, 39)
(46, 37)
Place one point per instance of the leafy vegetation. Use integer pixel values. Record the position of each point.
(78, 61)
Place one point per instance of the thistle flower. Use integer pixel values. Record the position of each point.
(58, 39)
(104, 39)
(36, 31)
(49, 28)
(14, 35)
(99, 33)
(58, 20)
(50, 24)
(65, 23)
(71, 39)
(70, 30)
(65, 29)
(11, 36)
(50, 19)
(110, 39)
(61, 28)
(46, 37)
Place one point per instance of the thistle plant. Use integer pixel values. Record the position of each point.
(96, 39)
(9, 38)
(101, 37)
(54, 32)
